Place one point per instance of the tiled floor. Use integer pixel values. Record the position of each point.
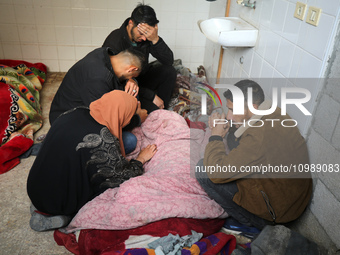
(16, 236)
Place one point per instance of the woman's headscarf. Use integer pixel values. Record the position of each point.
(114, 110)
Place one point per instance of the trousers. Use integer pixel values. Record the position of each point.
(161, 79)
(223, 194)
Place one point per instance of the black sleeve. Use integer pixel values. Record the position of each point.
(162, 52)
(147, 93)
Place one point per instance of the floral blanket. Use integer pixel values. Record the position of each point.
(20, 111)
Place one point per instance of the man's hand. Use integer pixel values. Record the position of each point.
(159, 102)
(131, 87)
(141, 112)
(218, 128)
(151, 33)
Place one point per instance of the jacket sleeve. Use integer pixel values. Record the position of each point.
(162, 52)
(225, 168)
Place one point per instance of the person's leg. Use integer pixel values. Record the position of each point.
(130, 141)
(161, 79)
(223, 194)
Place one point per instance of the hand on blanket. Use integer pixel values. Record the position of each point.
(147, 153)
(159, 102)
(141, 112)
(217, 126)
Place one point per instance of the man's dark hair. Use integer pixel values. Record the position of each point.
(138, 55)
(258, 94)
(144, 14)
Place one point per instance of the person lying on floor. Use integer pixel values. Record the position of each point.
(99, 72)
(255, 199)
(82, 156)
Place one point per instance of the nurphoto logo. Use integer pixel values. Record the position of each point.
(238, 104)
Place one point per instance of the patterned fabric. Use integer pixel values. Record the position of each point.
(20, 114)
(112, 167)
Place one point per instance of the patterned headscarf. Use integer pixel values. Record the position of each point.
(114, 110)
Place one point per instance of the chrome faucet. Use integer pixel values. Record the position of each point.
(247, 3)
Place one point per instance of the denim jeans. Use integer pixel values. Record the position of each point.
(129, 141)
(223, 194)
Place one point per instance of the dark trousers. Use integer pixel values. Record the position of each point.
(161, 79)
(223, 194)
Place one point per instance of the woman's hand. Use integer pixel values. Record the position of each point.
(147, 153)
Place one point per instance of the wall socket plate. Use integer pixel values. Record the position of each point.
(300, 10)
(313, 15)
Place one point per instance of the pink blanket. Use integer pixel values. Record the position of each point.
(167, 189)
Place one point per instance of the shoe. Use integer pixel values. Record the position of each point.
(238, 228)
(40, 222)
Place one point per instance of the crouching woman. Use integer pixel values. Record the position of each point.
(82, 156)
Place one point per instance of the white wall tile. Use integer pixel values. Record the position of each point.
(185, 21)
(291, 25)
(30, 51)
(256, 66)
(66, 52)
(183, 38)
(116, 18)
(52, 65)
(330, 7)
(317, 38)
(169, 36)
(43, 15)
(309, 67)
(99, 4)
(284, 58)
(46, 34)
(64, 35)
(12, 51)
(82, 52)
(27, 33)
(48, 52)
(7, 14)
(279, 15)
(81, 17)
(247, 60)
(272, 48)
(9, 33)
(99, 18)
(98, 35)
(61, 3)
(82, 35)
(1, 52)
(62, 16)
(169, 6)
(65, 65)
(25, 14)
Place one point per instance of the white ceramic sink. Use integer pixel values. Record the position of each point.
(229, 31)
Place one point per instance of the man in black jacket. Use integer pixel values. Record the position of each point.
(99, 72)
(141, 30)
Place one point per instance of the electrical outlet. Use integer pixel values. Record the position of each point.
(300, 10)
(313, 15)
